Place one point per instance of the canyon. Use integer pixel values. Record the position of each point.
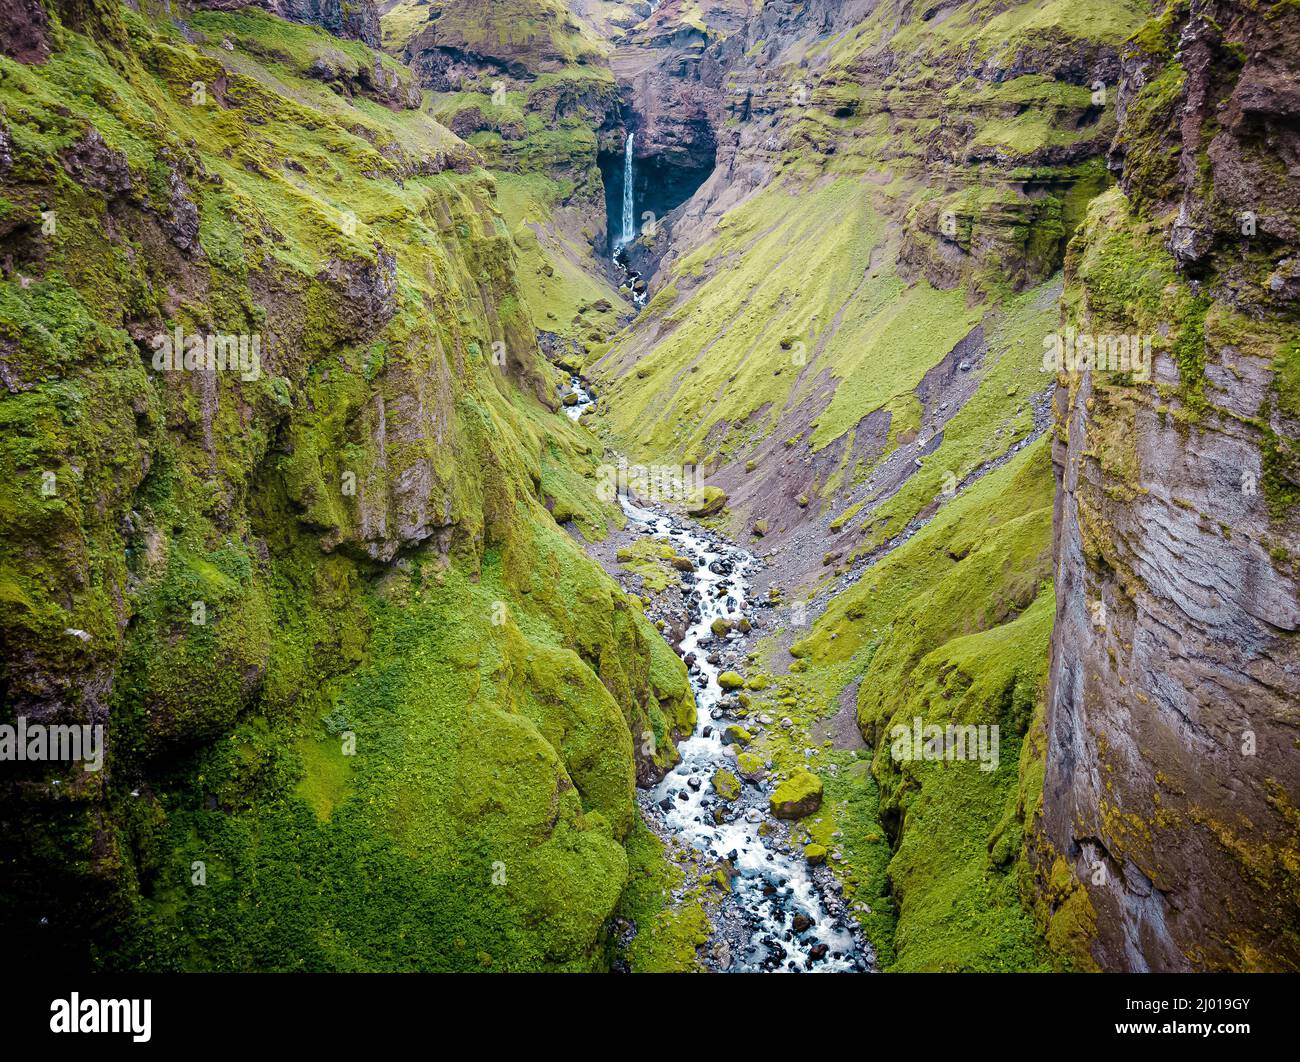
(392, 678)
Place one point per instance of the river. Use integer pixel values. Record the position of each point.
(772, 885)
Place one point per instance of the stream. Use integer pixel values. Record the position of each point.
(772, 885)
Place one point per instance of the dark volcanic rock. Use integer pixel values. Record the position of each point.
(24, 31)
(93, 164)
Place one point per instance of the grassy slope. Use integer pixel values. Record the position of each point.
(789, 267)
(563, 293)
(954, 624)
(480, 821)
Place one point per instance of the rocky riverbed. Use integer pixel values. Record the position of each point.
(778, 911)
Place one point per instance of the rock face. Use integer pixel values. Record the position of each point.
(24, 31)
(948, 235)
(358, 21)
(672, 68)
(1169, 821)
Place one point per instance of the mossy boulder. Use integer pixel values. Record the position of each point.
(711, 502)
(750, 766)
(815, 854)
(726, 784)
(731, 680)
(721, 627)
(759, 528)
(736, 734)
(797, 796)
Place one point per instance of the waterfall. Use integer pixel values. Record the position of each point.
(629, 208)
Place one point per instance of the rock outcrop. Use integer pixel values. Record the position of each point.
(343, 18)
(464, 40)
(1170, 806)
(25, 35)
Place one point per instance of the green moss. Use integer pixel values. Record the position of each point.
(539, 34)
(711, 502)
(954, 872)
(401, 22)
(726, 785)
(652, 561)
(498, 691)
(987, 425)
(668, 933)
(750, 766)
(797, 796)
(325, 776)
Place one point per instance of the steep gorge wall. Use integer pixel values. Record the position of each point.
(242, 576)
(1169, 821)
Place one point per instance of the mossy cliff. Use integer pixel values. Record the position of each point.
(528, 84)
(367, 705)
(1168, 838)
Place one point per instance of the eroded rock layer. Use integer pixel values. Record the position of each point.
(1169, 822)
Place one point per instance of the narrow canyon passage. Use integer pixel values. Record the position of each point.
(781, 913)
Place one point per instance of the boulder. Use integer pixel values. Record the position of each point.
(711, 502)
(749, 765)
(797, 796)
(726, 784)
